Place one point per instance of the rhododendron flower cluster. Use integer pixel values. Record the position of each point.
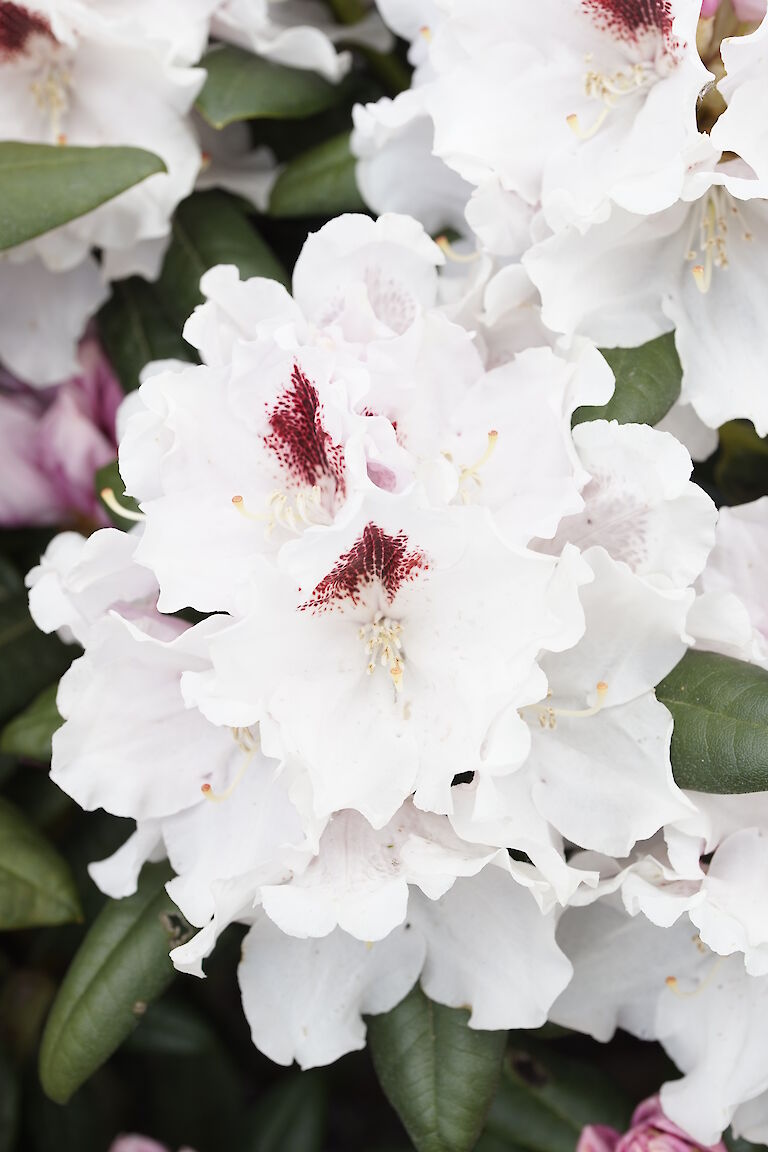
(378, 663)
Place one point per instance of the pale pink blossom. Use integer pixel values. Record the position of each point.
(52, 442)
(140, 1144)
(747, 10)
(650, 1131)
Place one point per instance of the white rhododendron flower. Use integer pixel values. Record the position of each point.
(409, 647)
(695, 267)
(76, 74)
(614, 88)
(666, 984)
(299, 33)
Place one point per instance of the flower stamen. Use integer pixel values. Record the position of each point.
(383, 645)
(548, 716)
(114, 505)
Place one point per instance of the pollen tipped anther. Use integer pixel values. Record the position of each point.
(548, 716)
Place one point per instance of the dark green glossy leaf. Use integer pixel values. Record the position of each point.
(36, 886)
(720, 709)
(320, 182)
(29, 660)
(210, 228)
(42, 186)
(647, 384)
(135, 328)
(29, 734)
(291, 1117)
(438, 1073)
(120, 968)
(545, 1099)
(241, 86)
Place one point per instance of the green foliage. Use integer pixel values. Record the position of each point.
(291, 1117)
(29, 735)
(647, 384)
(545, 1099)
(43, 186)
(319, 181)
(144, 322)
(135, 328)
(438, 1073)
(120, 968)
(210, 228)
(241, 86)
(720, 709)
(29, 660)
(36, 886)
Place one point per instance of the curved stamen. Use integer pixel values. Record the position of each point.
(114, 505)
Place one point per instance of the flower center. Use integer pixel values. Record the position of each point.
(712, 249)
(384, 646)
(294, 513)
(610, 90)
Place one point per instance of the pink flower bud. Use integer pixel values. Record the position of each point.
(136, 1144)
(651, 1131)
(749, 11)
(52, 442)
(140, 1144)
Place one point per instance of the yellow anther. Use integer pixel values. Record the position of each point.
(548, 716)
(383, 645)
(469, 473)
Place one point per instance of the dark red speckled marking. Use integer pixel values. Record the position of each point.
(299, 440)
(374, 557)
(626, 19)
(17, 24)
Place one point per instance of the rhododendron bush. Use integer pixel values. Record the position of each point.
(383, 575)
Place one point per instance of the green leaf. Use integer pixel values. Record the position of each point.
(36, 886)
(120, 968)
(135, 328)
(42, 186)
(29, 735)
(720, 709)
(9, 1103)
(210, 228)
(647, 384)
(438, 1073)
(241, 86)
(320, 182)
(545, 1099)
(29, 660)
(291, 1117)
